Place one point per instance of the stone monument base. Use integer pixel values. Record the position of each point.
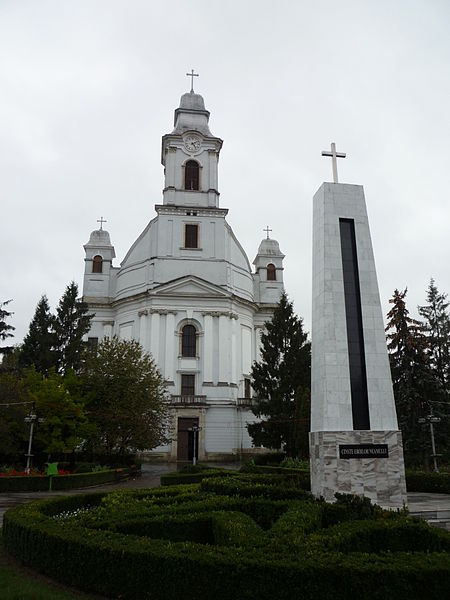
(366, 463)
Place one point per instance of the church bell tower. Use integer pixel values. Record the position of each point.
(190, 155)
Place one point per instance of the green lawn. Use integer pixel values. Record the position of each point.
(17, 583)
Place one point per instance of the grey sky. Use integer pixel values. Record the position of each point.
(87, 89)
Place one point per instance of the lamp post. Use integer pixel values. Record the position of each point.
(432, 419)
(31, 419)
(195, 429)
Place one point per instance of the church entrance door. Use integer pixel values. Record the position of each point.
(185, 450)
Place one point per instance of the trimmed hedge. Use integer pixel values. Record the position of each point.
(416, 481)
(438, 483)
(33, 483)
(301, 476)
(238, 541)
(181, 477)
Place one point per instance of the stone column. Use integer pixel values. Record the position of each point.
(224, 349)
(258, 332)
(154, 336)
(170, 341)
(142, 314)
(208, 349)
(233, 378)
(212, 154)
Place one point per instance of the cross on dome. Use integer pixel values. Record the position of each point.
(334, 155)
(267, 231)
(101, 221)
(192, 75)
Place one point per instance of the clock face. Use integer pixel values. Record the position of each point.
(192, 143)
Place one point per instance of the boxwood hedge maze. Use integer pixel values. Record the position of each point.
(241, 537)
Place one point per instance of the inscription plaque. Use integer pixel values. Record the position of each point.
(363, 451)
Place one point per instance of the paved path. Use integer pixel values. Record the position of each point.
(430, 506)
(151, 474)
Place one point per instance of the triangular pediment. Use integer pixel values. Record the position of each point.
(190, 286)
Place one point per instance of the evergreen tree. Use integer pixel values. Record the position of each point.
(302, 422)
(280, 380)
(71, 323)
(38, 347)
(437, 327)
(412, 377)
(5, 328)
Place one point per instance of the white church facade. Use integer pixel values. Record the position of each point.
(186, 291)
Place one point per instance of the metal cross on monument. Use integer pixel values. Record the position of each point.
(267, 231)
(101, 221)
(334, 155)
(192, 75)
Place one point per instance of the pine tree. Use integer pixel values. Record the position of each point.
(71, 323)
(5, 328)
(412, 377)
(437, 328)
(283, 370)
(38, 347)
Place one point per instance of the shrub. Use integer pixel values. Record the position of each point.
(269, 486)
(61, 482)
(270, 458)
(239, 541)
(193, 475)
(419, 481)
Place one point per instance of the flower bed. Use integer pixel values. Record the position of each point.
(230, 537)
(63, 481)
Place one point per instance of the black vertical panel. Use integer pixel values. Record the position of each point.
(355, 337)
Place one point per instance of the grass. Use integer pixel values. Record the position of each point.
(19, 583)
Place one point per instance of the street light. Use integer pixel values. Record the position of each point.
(31, 419)
(195, 429)
(432, 419)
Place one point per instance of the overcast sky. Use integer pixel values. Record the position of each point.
(87, 89)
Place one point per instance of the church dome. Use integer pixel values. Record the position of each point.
(192, 115)
(192, 101)
(269, 247)
(99, 237)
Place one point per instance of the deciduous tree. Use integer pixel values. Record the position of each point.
(65, 424)
(126, 397)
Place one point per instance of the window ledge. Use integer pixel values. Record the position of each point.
(184, 248)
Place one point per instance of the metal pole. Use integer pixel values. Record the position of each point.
(30, 441)
(433, 447)
(194, 457)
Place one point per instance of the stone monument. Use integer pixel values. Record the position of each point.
(355, 444)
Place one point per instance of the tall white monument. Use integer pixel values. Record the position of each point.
(355, 444)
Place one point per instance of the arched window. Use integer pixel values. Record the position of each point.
(189, 341)
(191, 175)
(271, 272)
(97, 264)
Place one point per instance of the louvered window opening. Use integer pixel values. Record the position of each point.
(271, 273)
(97, 264)
(191, 175)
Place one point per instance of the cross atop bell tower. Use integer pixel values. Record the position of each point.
(192, 75)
